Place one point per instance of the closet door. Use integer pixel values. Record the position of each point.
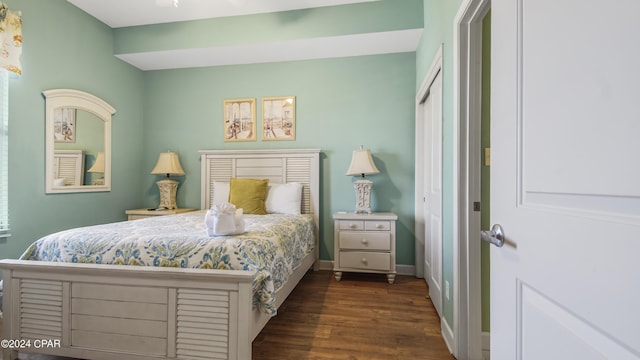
(432, 167)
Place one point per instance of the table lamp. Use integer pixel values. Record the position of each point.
(98, 167)
(169, 164)
(362, 164)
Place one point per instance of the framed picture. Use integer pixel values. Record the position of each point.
(279, 118)
(239, 120)
(64, 125)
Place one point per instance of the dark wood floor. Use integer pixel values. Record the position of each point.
(360, 317)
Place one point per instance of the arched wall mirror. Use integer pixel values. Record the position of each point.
(78, 142)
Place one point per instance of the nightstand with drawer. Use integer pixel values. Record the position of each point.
(136, 214)
(365, 243)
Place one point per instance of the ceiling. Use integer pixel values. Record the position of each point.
(121, 13)
(124, 13)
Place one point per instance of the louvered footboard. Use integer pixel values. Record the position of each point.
(126, 312)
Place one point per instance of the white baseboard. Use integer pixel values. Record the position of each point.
(486, 345)
(325, 264)
(406, 270)
(447, 335)
(400, 269)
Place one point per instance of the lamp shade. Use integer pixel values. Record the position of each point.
(98, 165)
(168, 163)
(362, 163)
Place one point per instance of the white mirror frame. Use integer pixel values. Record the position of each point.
(57, 98)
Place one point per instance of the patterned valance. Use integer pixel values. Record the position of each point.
(10, 39)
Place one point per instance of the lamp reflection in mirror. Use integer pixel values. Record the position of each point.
(169, 164)
(98, 167)
(362, 164)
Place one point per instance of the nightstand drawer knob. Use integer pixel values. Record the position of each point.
(379, 226)
(353, 226)
(364, 241)
(364, 261)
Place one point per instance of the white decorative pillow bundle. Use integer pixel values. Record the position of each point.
(224, 219)
(281, 198)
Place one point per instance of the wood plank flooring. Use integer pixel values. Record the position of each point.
(360, 317)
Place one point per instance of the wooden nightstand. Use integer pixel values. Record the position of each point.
(365, 243)
(145, 213)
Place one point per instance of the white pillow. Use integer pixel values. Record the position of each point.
(284, 198)
(220, 192)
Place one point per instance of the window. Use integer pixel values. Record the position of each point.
(4, 159)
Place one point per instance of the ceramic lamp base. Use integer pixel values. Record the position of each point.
(363, 195)
(168, 189)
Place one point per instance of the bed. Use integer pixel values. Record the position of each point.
(104, 311)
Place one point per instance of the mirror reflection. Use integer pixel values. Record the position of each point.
(78, 147)
(78, 142)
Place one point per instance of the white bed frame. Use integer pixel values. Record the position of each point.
(133, 312)
(69, 164)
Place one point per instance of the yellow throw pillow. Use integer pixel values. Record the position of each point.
(249, 195)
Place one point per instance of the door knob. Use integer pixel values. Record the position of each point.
(494, 236)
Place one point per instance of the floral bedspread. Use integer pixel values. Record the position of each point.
(273, 245)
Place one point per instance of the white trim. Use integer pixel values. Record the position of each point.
(467, 48)
(325, 265)
(409, 270)
(486, 345)
(447, 335)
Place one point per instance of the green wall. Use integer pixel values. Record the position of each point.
(376, 16)
(340, 104)
(65, 48)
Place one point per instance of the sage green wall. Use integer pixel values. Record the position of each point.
(438, 23)
(340, 104)
(64, 47)
(375, 16)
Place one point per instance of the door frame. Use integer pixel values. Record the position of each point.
(467, 91)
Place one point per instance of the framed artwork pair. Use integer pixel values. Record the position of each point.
(278, 119)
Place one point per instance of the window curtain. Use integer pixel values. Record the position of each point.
(11, 39)
(4, 159)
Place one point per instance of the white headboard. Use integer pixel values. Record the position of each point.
(277, 165)
(69, 165)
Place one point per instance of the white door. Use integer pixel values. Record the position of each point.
(433, 191)
(565, 179)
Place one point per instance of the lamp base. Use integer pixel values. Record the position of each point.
(168, 189)
(363, 195)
